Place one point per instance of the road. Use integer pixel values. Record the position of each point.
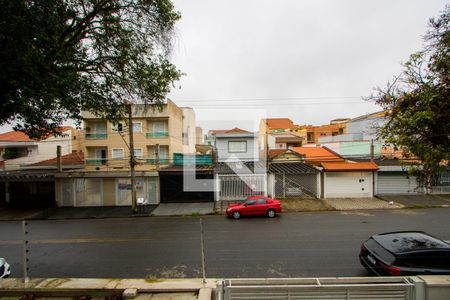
(291, 245)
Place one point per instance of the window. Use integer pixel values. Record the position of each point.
(118, 127)
(138, 152)
(159, 126)
(137, 127)
(100, 128)
(262, 201)
(250, 202)
(117, 153)
(237, 146)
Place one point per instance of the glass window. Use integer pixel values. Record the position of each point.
(118, 127)
(262, 201)
(137, 127)
(138, 152)
(100, 128)
(251, 202)
(237, 146)
(159, 126)
(117, 153)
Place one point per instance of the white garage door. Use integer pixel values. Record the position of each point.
(348, 184)
(395, 183)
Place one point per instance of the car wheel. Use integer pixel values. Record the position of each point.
(271, 213)
(236, 215)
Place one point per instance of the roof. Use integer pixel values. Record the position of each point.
(273, 153)
(19, 136)
(377, 114)
(281, 123)
(35, 175)
(318, 154)
(248, 167)
(292, 168)
(72, 159)
(349, 166)
(401, 242)
(234, 130)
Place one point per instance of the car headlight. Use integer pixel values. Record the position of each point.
(229, 209)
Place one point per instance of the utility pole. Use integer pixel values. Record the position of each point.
(132, 160)
(59, 158)
(157, 156)
(371, 151)
(267, 144)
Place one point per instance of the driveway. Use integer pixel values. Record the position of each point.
(360, 203)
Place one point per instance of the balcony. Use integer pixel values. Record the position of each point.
(96, 136)
(96, 161)
(157, 134)
(162, 161)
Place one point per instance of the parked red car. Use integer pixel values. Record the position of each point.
(255, 205)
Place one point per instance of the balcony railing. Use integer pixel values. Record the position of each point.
(96, 161)
(96, 136)
(162, 161)
(157, 134)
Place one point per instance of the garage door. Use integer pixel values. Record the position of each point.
(396, 183)
(348, 184)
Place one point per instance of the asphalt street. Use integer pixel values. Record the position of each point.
(319, 244)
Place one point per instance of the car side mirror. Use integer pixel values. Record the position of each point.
(245, 204)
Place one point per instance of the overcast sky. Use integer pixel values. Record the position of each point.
(310, 61)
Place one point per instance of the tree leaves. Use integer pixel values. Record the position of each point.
(418, 104)
(58, 58)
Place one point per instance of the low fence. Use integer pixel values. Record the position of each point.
(362, 288)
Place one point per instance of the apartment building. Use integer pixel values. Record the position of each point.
(158, 133)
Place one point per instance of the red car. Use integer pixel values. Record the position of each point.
(255, 205)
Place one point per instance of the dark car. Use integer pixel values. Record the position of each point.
(255, 205)
(405, 253)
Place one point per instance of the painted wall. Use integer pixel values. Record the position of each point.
(223, 154)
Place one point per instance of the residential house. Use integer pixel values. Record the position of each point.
(238, 172)
(33, 186)
(18, 150)
(235, 145)
(158, 133)
(290, 177)
(360, 134)
(340, 178)
(279, 133)
(315, 133)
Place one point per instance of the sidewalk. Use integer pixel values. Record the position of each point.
(419, 201)
(360, 203)
(184, 209)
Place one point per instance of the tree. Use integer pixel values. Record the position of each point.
(60, 57)
(417, 103)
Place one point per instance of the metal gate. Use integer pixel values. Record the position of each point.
(398, 288)
(234, 187)
(295, 186)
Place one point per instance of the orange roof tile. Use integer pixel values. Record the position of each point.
(349, 166)
(281, 123)
(275, 152)
(234, 130)
(19, 136)
(74, 158)
(318, 154)
(15, 136)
